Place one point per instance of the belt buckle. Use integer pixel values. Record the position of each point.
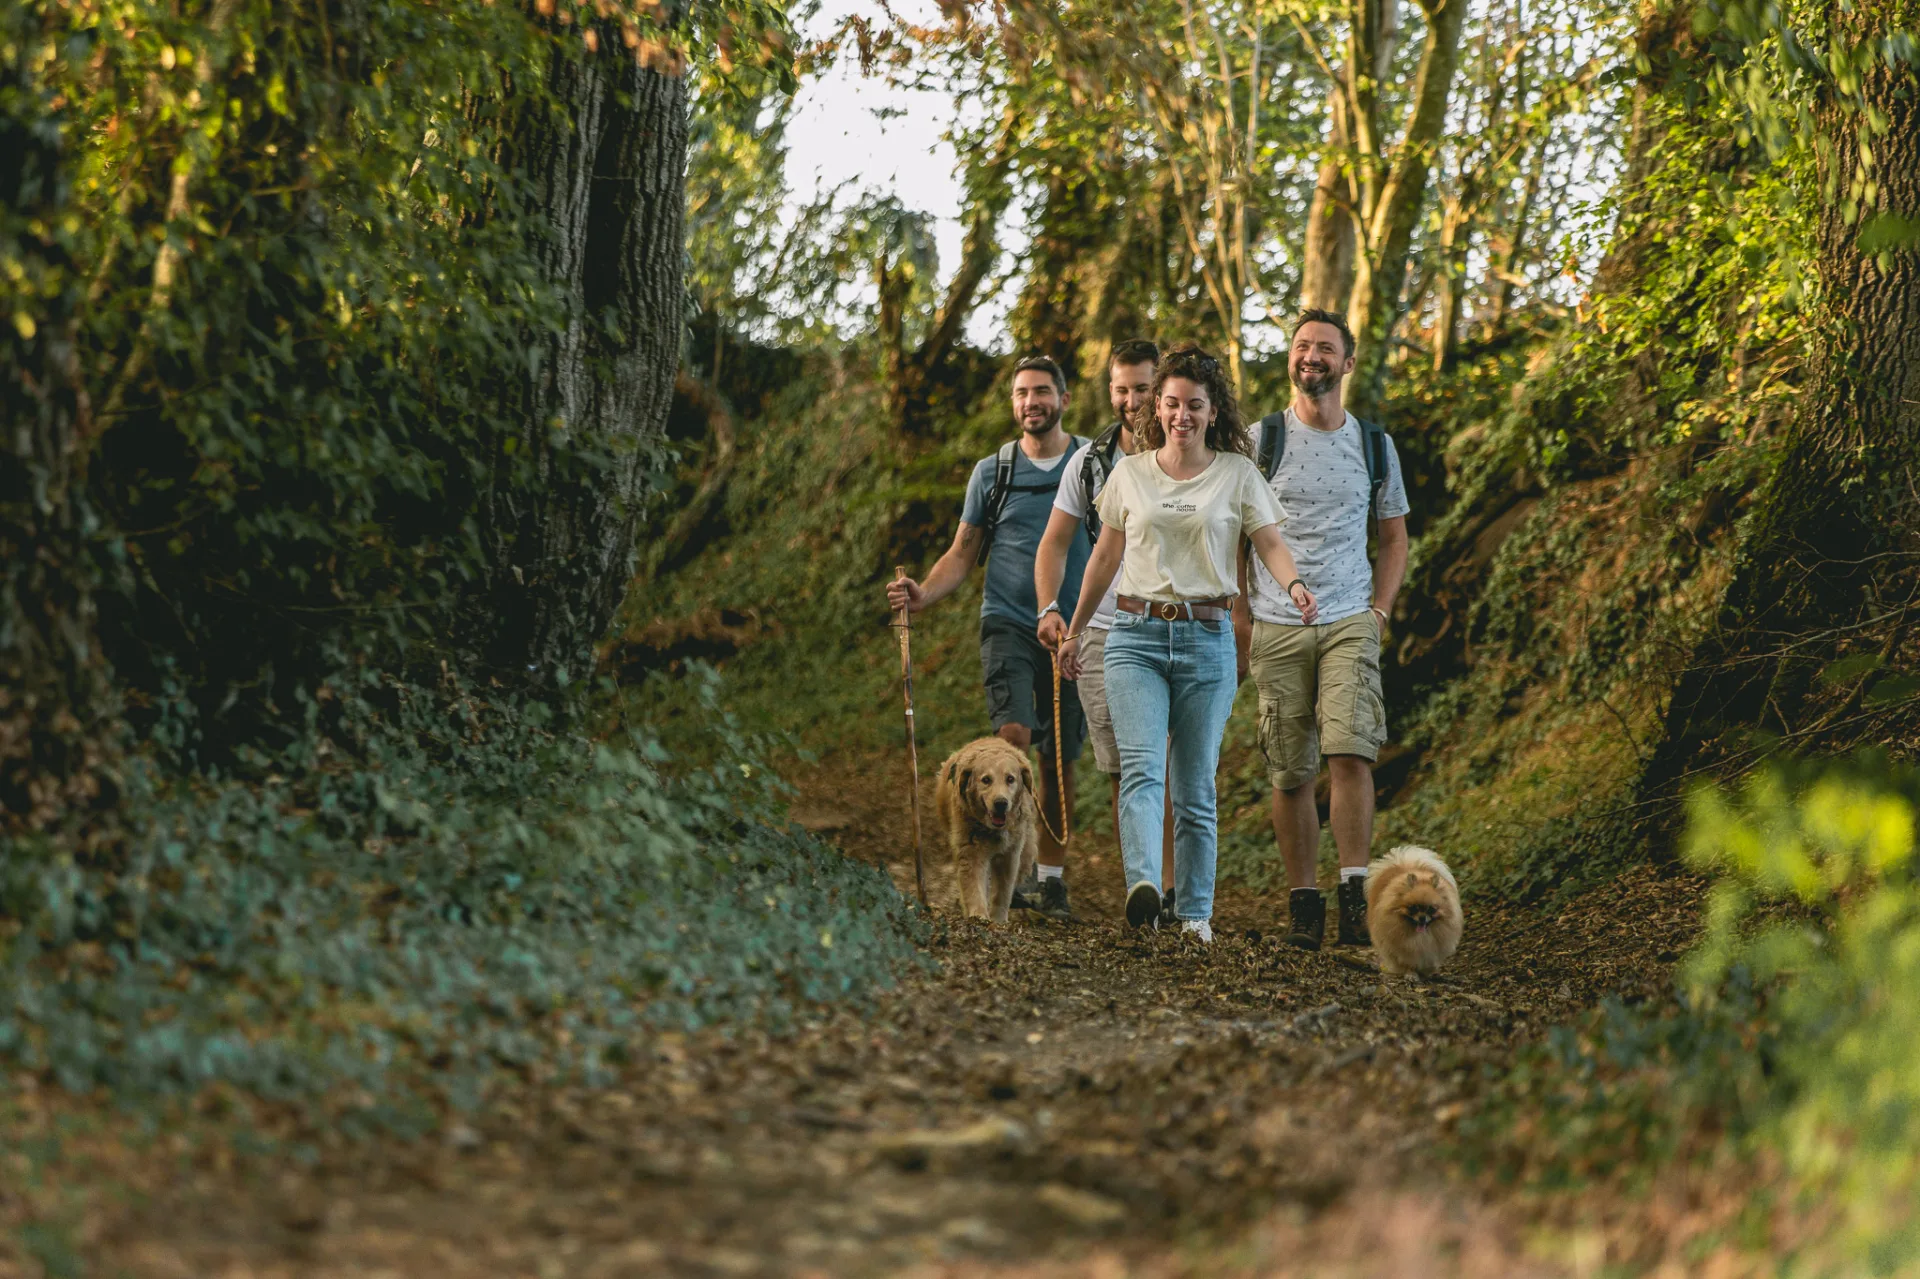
(1169, 612)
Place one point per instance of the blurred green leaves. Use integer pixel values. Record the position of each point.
(1841, 962)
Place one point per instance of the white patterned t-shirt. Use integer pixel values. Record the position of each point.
(1322, 480)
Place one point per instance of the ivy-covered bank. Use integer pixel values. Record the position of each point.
(432, 895)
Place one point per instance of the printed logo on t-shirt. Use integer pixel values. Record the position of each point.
(1178, 507)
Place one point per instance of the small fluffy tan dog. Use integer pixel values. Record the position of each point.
(1413, 910)
(985, 800)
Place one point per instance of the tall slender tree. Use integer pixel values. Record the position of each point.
(1393, 194)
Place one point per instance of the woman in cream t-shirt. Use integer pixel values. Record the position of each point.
(1177, 512)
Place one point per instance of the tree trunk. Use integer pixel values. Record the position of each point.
(1510, 243)
(1326, 272)
(607, 167)
(1456, 237)
(1380, 269)
(57, 711)
(1834, 528)
(1113, 310)
(1055, 305)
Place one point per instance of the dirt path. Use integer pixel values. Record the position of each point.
(1055, 1099)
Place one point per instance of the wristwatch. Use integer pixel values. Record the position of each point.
(1051, 608)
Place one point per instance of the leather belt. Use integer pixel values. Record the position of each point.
(1213, 610)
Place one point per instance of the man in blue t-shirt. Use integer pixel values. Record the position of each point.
(1018, 670)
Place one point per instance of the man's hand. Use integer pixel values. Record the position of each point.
(1052, 629)
(904, 592)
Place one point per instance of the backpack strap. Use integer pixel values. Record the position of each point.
(1273, 443)
(1373, 445)
(1094, 470)
(997, 495)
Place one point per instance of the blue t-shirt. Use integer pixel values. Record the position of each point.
(1009, 588)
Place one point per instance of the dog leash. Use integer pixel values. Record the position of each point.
(905, 627)
(1059, 770)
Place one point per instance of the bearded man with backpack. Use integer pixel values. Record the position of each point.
(1009, 499)
(1319, 684)
(1130, 392)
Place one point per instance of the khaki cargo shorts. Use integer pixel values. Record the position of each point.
(1319, 693)
(1093, 700)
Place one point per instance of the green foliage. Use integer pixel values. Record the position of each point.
(1718, 248)
(1621, 1095)
(469, 893)
(1794, 1042)
(302, 260)
(821, 506)
(1799, 75)
(309, 285)
(1846, 1115)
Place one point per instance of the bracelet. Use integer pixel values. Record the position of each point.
(1076, 635)
(1295, 582)
(1380, 612)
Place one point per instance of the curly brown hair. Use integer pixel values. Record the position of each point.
(1227, 433)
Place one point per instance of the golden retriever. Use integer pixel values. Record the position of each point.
(985, 800)
(1413, 910)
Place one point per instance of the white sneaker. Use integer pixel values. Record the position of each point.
(1199, 929)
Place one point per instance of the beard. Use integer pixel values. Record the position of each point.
(1313, 377)
(1040, 425)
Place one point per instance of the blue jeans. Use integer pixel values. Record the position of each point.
(1170, 688)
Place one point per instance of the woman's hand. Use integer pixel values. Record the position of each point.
(1273, 552)
(1303, 600)
(1068, 655)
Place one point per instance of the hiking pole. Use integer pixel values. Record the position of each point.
(905, 627)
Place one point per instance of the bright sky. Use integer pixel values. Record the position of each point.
(859, 130)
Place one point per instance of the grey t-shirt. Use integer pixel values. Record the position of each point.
(1009, 586)
(1322, 481)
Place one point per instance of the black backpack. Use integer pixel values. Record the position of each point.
(1095, 467)
(1373, 446)
(1003, 485)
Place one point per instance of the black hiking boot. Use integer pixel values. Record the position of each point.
(1306, 918)
(1353, 912)
(1026, 894)
(1143, 905)
(1053, 900)
(1167, 918)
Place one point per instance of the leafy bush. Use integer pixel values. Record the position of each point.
(1793, 1043)
(1844, 1107)
(471, 894)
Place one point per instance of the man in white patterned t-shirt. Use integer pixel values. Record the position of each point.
(1320, 684)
